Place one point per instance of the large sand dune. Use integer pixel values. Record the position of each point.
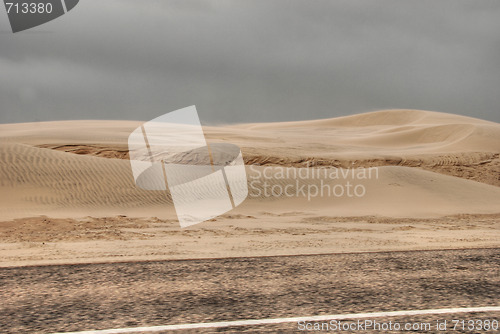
(35, 180)
(429, 165)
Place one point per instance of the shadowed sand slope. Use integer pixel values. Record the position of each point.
(35, 180)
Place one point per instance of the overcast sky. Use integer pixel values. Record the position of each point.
(253, 60)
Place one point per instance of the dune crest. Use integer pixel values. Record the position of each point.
(40, 176)
(68, 194)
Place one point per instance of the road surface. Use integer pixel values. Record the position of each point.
(64, 298)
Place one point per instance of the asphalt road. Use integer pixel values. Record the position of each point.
(65, 298)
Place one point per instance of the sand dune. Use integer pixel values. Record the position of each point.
(430, 166)
(39, 181)
(48, 182)
(395, 192)
(396, 132)
(454, 145)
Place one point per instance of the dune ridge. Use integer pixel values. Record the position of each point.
(68, 196)
(39, 176)
(448, 144)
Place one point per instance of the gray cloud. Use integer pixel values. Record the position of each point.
(253, 61)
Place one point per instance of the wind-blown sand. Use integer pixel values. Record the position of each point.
(68, 195)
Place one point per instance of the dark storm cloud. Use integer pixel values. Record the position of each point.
(253, 60)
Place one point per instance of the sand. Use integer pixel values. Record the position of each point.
(68, 195)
